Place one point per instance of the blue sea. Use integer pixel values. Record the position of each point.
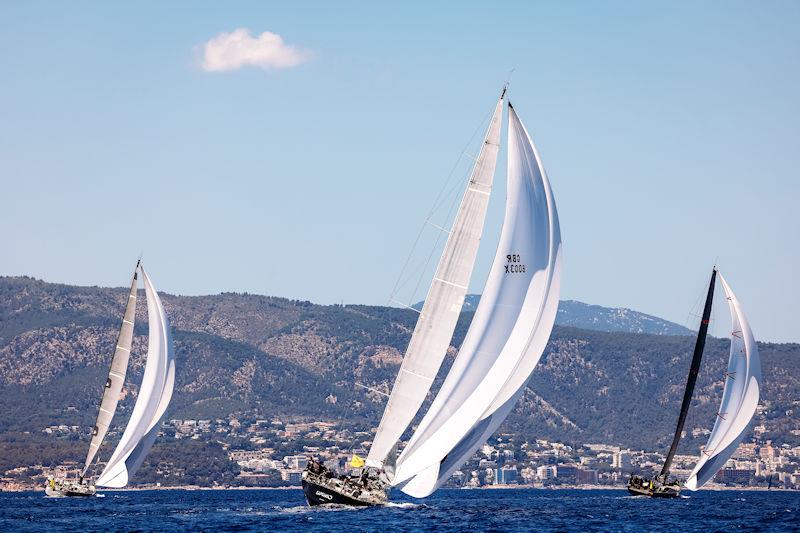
(447, 510)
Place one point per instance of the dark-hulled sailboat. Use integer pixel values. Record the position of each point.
(739, 402)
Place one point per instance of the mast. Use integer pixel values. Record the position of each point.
(693, 372)
(437, 321)
(116, 375)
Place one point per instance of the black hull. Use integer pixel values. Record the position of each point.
(71, 494)
(662, 493)
(319, 495)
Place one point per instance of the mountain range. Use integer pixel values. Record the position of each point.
(598, 318)
(607, 375)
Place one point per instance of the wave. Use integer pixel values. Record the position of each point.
(405, 505)
(331, 507)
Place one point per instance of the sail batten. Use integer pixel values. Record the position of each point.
(508, 333)
(116, 375)
(439, 315)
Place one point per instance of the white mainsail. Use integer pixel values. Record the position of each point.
(739, 399)
(155, 393)
(442, 307)
(116, 375)
(508, 333)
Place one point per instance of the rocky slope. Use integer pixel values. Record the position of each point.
(241, 353)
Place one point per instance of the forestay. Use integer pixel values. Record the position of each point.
(440, 312)
(155, 393)
(739, 399)
(116, 375)
(508, 333)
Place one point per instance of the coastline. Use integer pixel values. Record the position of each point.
(487, 487)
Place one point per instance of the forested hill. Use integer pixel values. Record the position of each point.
(243, 353)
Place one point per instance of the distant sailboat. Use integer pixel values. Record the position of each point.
(739, 402)
(507, 336)
(154, 395)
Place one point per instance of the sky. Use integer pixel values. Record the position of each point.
(295, 148)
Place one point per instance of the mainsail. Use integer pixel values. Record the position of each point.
(739, 399)
(694, 371)
(116, 375)
(440, 312)
(155, 393)
(508, 333)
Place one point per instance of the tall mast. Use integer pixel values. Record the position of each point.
(693, 372)
(116, 374)
(442, 307)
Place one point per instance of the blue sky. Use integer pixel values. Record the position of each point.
(669, 130)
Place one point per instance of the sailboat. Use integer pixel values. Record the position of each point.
(506, 338)
(739, 402)
(155, 392)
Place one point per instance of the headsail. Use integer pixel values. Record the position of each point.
(116, 375)
(155, 393)
(739, 399)
(508, 333)
(440, 312)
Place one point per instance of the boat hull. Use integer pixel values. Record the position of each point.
(321, 495)
(654, 490)
(67, 489)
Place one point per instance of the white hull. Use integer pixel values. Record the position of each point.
(62, 488)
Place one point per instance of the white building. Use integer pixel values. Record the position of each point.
(295, 462)
(622, 460)
(546, 472)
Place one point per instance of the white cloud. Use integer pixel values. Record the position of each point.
(237, 49)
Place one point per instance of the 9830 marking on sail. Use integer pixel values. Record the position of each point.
(515, 265)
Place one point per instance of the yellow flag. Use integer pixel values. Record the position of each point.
(356, 462)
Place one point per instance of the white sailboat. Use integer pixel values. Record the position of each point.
(502, 347)
(509, 330)
(154, 395)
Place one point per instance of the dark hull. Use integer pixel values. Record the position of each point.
(319, 495)
(72, 494)
(661, 492)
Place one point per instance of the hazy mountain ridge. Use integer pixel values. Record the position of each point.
(598, 318)
(240, 353)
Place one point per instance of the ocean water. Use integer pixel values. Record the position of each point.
(447, 510)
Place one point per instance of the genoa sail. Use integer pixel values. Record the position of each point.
(739, 399)
(116, 375)
(439, 315)
(508, 334)
(155, 393)
(694, 371)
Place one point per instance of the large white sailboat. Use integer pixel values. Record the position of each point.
(155, 392)
(505, 340)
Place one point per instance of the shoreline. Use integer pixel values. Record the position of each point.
(488, 487)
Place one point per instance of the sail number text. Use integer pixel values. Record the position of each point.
(514, 264)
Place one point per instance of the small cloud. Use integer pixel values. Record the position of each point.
(237, 49)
